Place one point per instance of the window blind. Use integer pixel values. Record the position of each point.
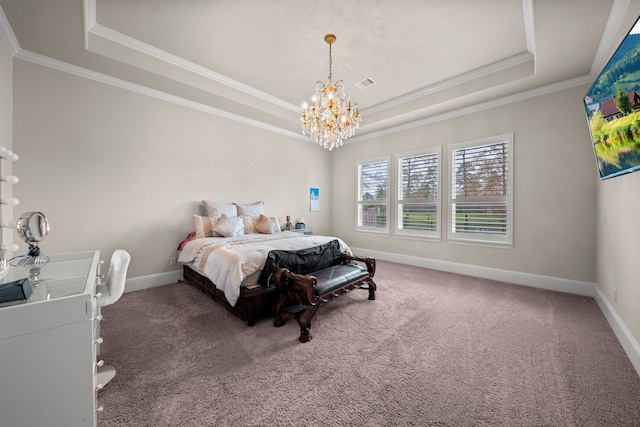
(419, 194)
(480, 191)
(373, 178)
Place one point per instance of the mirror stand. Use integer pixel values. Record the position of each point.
(32, 227)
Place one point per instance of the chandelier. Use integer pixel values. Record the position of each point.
(328, 117)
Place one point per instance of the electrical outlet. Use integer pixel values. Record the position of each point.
(173, 260)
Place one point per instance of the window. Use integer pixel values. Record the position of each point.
(419, 194)
(481, 191)
(373, 202)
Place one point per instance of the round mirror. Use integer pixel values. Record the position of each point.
(32, 227)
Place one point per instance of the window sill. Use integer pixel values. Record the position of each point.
(384, 233)
(418, 237)
(484, 243)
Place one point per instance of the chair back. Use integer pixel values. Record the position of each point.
(116, 277)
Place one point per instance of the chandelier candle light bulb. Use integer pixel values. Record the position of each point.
(329, 118)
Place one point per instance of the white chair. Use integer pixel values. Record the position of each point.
(112, 288)
(108, 292)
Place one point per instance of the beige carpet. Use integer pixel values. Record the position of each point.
(434, 349)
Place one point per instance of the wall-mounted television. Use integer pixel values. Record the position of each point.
(613, 110)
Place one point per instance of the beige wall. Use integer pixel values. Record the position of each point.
(114, 169)
(554, 187)
(618, 247)
(6, 97)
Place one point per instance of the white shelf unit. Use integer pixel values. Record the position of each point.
(7, 203)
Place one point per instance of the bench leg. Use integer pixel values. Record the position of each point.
(304, 320)
(278, 320)
(372, 289)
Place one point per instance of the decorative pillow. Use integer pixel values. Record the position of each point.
(255, 209)
(229, 226)
(249, 223)
(229, 209)
(266, 225)
(204, 226)
(275, 225)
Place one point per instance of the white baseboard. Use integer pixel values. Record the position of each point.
(527, 279)
(628, 342)
(152, 280)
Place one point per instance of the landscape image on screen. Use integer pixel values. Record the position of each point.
(613, 110)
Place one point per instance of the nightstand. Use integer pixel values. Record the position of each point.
(308, 231)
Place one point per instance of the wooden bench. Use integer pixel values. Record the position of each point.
(302, 294)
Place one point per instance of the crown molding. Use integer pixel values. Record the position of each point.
(527, 12)
(529, 28)
(617, 14)
(99, 30)
(455, 81)
(544, 90)
(7, 35)
(75, 70)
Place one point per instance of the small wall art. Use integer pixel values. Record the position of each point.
(314, 199)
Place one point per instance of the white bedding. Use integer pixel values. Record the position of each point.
(227, 261)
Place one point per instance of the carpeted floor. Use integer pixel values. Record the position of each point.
(434, 349)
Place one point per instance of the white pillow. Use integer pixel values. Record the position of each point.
(249, 223)
(255, 209)
(275, 225)
(229, 226)
(229, 209)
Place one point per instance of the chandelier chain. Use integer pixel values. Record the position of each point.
(330, 62)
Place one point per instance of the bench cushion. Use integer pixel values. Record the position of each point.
(336, 277)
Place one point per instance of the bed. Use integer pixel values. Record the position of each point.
(224, 257)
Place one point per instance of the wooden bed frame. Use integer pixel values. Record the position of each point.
(253, 304)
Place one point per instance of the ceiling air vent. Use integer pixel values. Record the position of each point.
(365, 83)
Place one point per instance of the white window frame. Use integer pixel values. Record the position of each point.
(477, 238)
(385, 203)
(433, 235)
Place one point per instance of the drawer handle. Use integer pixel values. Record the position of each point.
(99, 340)
(100, 363)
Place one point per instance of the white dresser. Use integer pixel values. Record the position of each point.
(48, 346)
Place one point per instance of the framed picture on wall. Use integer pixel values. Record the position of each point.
(314, 199)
